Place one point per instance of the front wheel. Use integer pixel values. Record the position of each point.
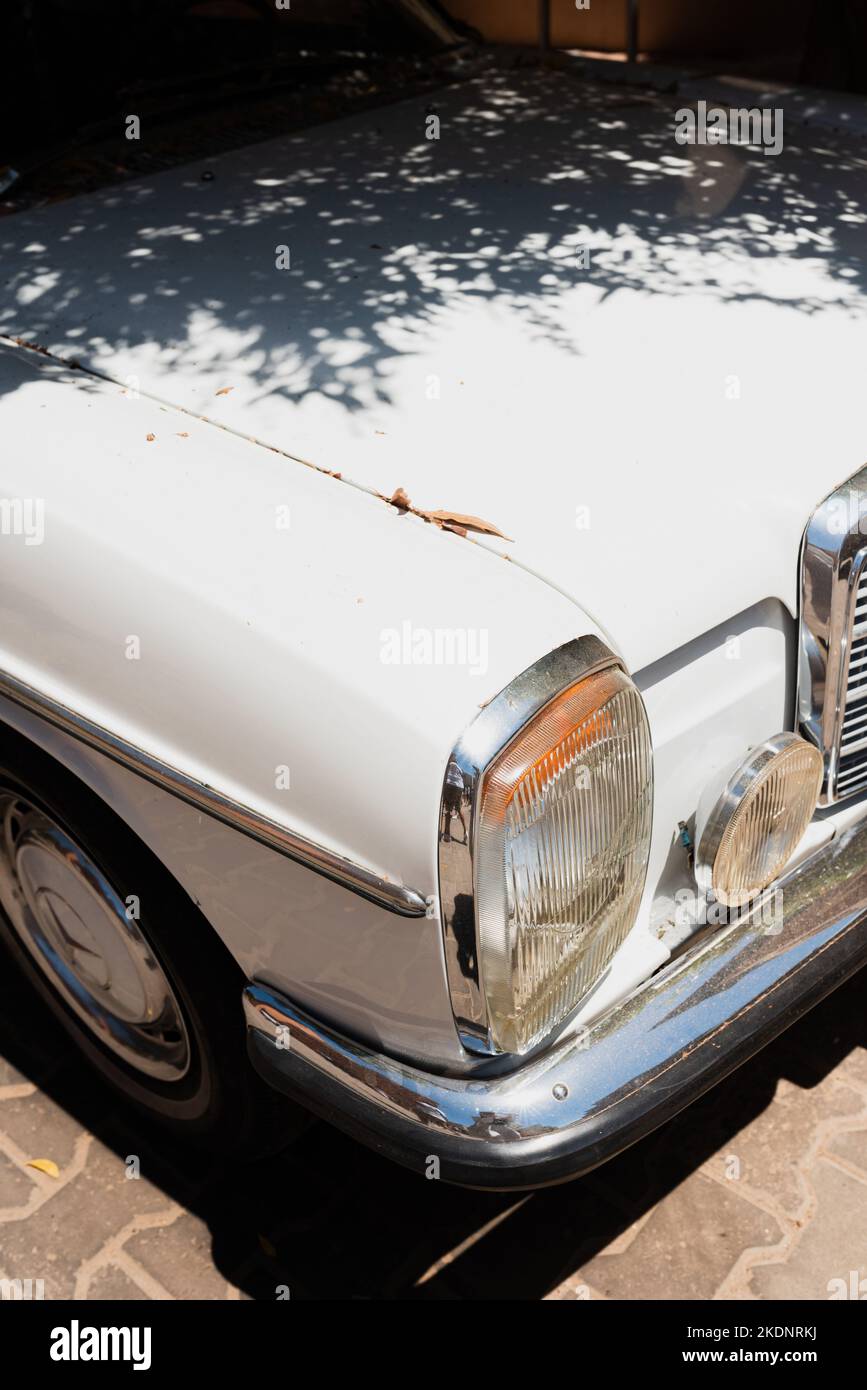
(127, 963)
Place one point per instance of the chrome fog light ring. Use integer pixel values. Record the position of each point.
(785, 772)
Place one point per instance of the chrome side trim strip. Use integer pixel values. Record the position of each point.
(490, 731)
(590, 1096)
(393, 896)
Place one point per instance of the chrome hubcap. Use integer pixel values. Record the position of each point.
(87, 943)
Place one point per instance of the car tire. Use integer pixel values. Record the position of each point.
(172, 1043)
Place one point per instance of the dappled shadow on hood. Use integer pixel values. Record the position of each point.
(388, 233)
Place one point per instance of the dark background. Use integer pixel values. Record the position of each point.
(73, 69)
(206, 74)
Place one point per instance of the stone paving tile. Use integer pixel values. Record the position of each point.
(15, 1188)
(179, 1257)
(853, 1067)
(332, 1220)
(24, 1254)
(767, 1159)
(38, 1128)
(851, 1146)
(112, 1285)
(76, 1221)
(687, 1246)
(832, 1246)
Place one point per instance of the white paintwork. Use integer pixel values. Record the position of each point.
(561, 388)
(261, 648)
(147, 530)
(377, 976)
(603, 390)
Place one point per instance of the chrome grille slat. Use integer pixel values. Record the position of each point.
(852, 735)
(852, 725)
(853, 782)
(854, 721)
(853, 746)
(852, 732)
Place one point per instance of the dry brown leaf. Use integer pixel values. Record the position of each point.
(45, 1165)
(457, 521)
(225, 390)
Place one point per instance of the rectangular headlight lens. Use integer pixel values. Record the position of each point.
(563, 839)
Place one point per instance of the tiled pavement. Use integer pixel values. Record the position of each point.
(758, 1191)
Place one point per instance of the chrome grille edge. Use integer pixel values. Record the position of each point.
(832, 663)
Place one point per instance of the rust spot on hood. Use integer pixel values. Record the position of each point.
(34, 347)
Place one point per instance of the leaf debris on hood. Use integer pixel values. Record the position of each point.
(459, 522)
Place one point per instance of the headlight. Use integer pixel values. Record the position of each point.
(749, 834)
(559, 834)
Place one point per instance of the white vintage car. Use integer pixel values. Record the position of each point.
(433, 664)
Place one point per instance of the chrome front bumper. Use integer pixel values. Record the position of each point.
(589, 1097)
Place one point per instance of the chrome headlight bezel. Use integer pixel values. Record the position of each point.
(493, 729)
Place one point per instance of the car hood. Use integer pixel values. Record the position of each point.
(641, 362)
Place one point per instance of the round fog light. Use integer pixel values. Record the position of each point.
(754, 827)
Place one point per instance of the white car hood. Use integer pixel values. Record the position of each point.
(652, 430)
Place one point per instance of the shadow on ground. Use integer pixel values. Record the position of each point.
(332, 1220)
